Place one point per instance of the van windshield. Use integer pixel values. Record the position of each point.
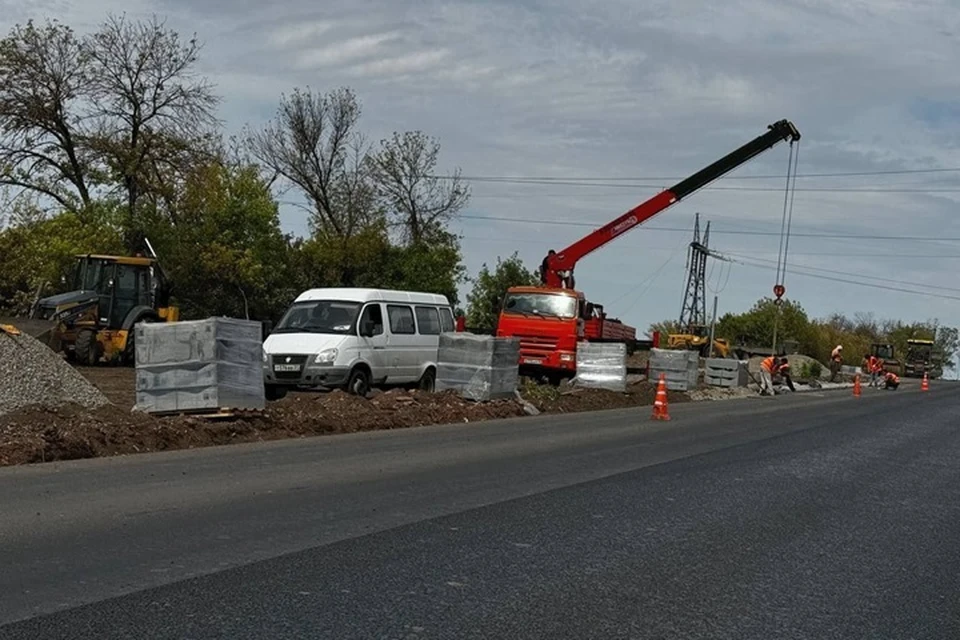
(319, 316)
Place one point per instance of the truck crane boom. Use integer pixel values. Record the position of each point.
(557, 268)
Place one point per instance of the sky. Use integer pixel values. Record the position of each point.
(611, 102)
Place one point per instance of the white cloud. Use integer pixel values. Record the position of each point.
(344, 51)
(625, 89)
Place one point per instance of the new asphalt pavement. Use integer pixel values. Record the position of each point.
(817, 515)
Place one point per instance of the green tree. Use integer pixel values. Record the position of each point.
(226, 255)
(419, 202)
(118, 111)
(489, 288)
(37, 250)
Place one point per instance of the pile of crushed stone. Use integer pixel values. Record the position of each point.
(32, 375)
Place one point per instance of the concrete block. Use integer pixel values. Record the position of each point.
(478, 367)
(602, 365)
(199, 365)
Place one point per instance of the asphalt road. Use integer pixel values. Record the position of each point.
(798, 517)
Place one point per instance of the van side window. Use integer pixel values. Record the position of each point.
(446, 320)
(401, 319)
(428, 321)
(373, 318)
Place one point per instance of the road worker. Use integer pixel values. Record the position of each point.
(876, 375)
(784, 372)
(767, 367)
(872, 369)
(891, 380)
(836, 361)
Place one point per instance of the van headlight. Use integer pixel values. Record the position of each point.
(266, 358)
(327, 356)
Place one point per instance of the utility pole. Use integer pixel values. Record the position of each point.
(693, 313)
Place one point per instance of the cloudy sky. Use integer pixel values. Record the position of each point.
(617, 99)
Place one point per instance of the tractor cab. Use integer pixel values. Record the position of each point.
(108, 295)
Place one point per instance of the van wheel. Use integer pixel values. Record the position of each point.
(358, 383)
(428, 382)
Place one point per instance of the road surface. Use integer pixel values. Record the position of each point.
(822, 516)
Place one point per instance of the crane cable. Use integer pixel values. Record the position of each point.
(793, 161)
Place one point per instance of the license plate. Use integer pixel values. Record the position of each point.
(532, 361)
(286, 367)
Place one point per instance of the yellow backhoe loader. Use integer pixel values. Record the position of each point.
(698, 339)
(93, 323)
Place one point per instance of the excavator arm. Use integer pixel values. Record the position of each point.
(558, 266)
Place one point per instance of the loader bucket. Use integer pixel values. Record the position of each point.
(42, 330)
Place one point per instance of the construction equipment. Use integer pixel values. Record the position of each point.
(888, 358)
(923, 358)
(550, 319)
(94, 321)
(696, 340)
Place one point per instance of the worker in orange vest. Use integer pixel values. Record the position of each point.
(891, 380)
(878, 371)
(767, 367)
(872, 369)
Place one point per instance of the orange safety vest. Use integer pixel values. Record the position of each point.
(892, 377)
(768, 364)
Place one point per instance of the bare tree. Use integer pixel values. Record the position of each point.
(313, 143)
(151, 109)
(420, 202)
(42, 127)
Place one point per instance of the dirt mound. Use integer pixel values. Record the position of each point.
(69, 431)
(339, 412)
(572, 399)
(40, 434)
(31, 374)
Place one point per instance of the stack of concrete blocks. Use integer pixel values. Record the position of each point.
(199, 365)
(681, 368)
(602, 365)
(725, 372)
(479, 368)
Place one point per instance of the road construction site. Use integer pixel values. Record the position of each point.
(366, 534)
(51, 410)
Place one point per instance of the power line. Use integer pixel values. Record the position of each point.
(875, 286)
(857, 275)
(852, 236)
(831, 174)
(660, 187)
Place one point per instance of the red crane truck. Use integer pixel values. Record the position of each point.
(550, 319)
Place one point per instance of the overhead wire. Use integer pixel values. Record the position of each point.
(828, 174)
(803, 273)
(740, 257)
(852, 236)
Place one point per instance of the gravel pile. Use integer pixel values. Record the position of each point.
(32, 375)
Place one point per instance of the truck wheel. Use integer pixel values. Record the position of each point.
(87, 349)
(359, 382)
(274, 392)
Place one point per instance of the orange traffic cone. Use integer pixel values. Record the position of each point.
(660, 402)
(925, 384)
(856, 386)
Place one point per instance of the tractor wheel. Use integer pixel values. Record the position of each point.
(87, 349)
(129, 355)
